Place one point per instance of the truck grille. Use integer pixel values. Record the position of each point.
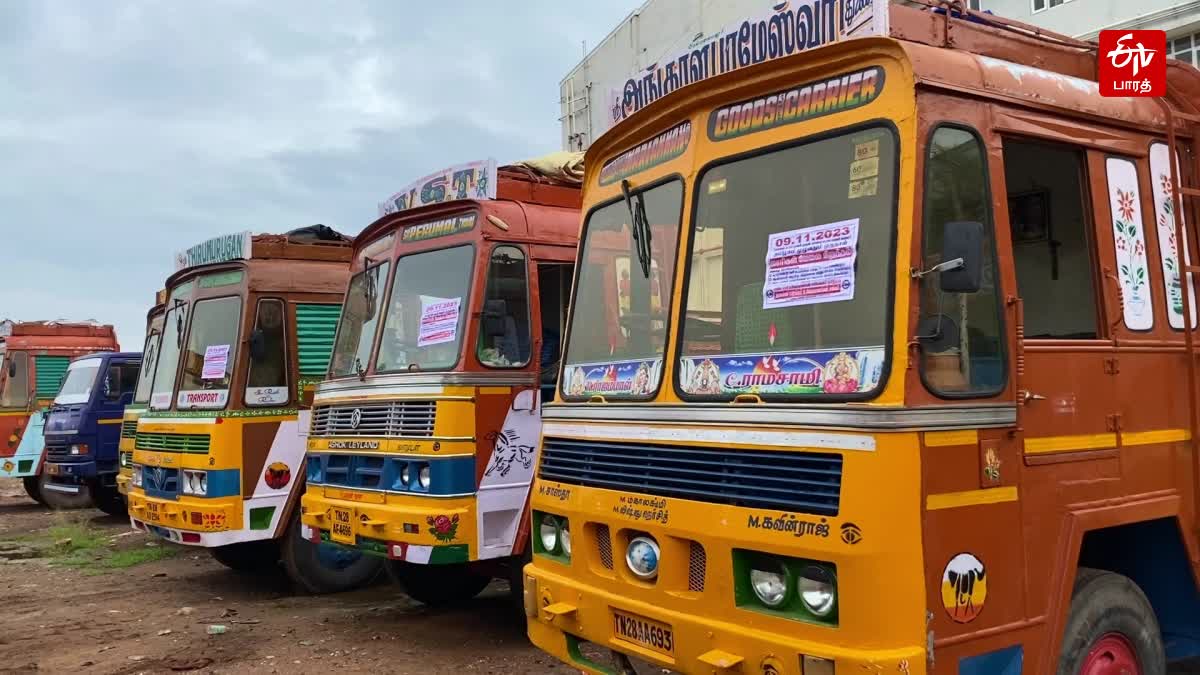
(172, 442)
(799, 482)
(129, 429)
(159, 481)
(57, 448)
(395, 418)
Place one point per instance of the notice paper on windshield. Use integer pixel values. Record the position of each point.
(811, 265)
(439, 320)
(216, 358)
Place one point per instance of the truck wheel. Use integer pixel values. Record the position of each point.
(325, 568)
(251, 557)
(1111, 628)
(438, 585)
(110, 501)
(64, 501)
(33, 488)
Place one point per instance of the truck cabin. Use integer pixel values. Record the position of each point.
(224, 343)
(447, 287)
(83, 430)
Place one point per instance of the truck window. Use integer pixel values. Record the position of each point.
(211, 353)
(122, 378)
(801, 303)
(266, 383)
(16, 381)
(965, 355)
(360, 316)
(1049, 228)
(146, 371)
(77, 385)
(426, 310)
(504, 323)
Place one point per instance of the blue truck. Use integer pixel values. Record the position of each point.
(83, 432)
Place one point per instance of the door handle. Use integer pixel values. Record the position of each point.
(1027, 396)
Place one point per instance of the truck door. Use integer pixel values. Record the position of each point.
(116, 392)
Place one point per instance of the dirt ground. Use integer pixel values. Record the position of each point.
(83, 593)
(116, 601)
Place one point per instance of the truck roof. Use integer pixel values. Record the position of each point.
(61, 336)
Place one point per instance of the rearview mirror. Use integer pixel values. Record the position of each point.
(258, 345)
(962, 243)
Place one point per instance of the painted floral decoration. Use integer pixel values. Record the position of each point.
(443, 528)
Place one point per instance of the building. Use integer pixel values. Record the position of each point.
(663, 27)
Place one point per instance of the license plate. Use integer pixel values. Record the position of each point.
(52, 469)
(152, 512)
(644, 632)
(342, 529)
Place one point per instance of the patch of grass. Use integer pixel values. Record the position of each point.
(72, 542)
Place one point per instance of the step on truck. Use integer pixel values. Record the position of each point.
(423, 434)
(36, 355)
(218, 459)
(141, 396)
(923, 390)
(83, 432)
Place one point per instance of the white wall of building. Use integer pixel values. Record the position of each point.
(661, 27)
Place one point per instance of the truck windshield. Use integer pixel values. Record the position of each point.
(149, 361)
(789, 272)
(424, 324)
(211, 352)
(77, 386)
(619, 326)
(360, 317)
(163, 387)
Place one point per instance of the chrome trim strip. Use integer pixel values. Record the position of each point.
(946, 417)
(427, 379)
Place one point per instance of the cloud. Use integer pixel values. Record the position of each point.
(140, 127)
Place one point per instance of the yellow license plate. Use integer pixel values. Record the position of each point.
(643, 632)
(342, 529)
(152, 512)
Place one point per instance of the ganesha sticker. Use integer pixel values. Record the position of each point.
(964, 587)
(277, 476)
(443, 528)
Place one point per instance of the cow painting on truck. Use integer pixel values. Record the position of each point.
(36, 356)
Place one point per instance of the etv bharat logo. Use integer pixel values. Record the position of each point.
(1133, 63)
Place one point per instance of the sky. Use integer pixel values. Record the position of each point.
(132, 129)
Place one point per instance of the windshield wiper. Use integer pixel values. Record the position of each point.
(641, 229)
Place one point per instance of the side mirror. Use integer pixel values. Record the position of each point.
(110, 394)
(962, 241)
(126, 398)
(258, 345)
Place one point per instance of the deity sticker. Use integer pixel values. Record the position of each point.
(786, 373)
(964, 588)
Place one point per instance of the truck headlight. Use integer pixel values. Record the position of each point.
(406, 476)
(136, 478)
(818, 590)
(548, 532)
(125, 459)
(195, 482)
(769, 580)
(80, 449)
(423, 477)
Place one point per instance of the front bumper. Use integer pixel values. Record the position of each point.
(188, 520)
(423, 530)
(562, 613)
(71, 472)
(123, 480)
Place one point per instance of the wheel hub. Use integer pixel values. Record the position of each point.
(1112, 654)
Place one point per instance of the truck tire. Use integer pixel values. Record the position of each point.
(250, 557)
(33, 488)
(62, 501)
(438, 585)
(110, 501)
(1111, 625)
(325, 568)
